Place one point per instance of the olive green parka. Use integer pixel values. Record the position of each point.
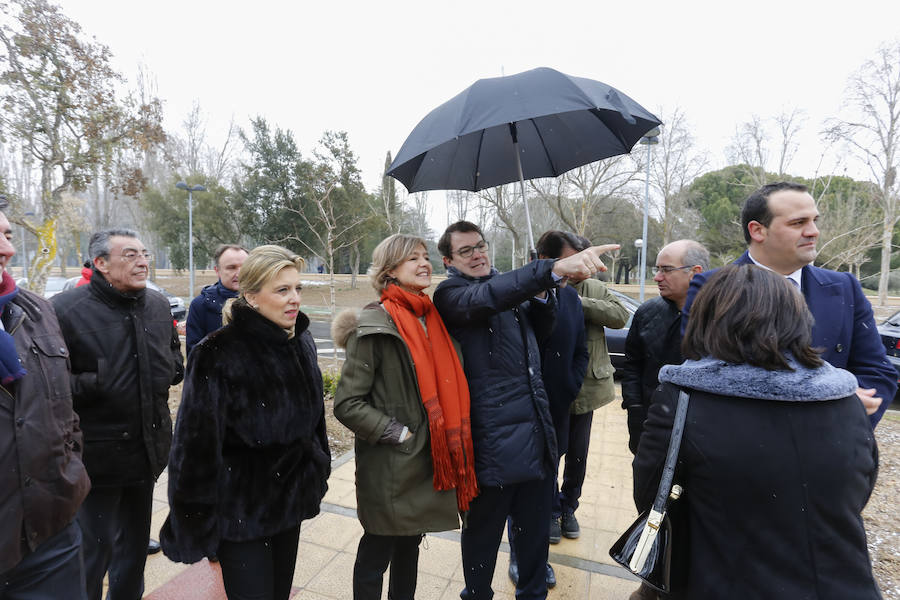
(601, 309)
(395, 493)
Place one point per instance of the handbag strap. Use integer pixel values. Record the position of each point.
(665, 483)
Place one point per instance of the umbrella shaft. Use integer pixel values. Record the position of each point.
(531, 250)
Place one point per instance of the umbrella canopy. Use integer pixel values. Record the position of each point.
(549, 121)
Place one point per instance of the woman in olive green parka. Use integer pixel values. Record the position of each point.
(378, 398)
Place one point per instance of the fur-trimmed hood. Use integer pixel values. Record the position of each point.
(343, 325)
(744, 381)
(372, 318)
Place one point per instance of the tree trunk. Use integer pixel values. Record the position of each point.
(354, 266)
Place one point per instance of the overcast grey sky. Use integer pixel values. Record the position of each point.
(375, 69)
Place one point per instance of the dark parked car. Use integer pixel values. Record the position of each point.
(890, 337)
(176, 304)
(615, 338)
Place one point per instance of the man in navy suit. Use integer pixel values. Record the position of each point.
(779, 222)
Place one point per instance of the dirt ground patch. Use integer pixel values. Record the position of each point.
(880, 514)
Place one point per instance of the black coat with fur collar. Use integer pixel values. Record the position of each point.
(250, 455)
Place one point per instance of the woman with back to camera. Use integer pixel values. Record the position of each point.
(403, 393)
(777, 458)
(250, 456)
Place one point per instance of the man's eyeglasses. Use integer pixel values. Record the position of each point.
(666, 270)
(466, 251)
(133, 255)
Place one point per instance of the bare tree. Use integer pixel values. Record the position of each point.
(851, 228)
(753, 141)
(459, 203)
(674, 164)
(219, 162)
(873, 134)
(576, 197)
(788, 125)
(60, 101)
(748, 147)
(501, 200)
(421, 210)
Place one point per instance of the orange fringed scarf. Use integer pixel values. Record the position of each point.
(443, 387)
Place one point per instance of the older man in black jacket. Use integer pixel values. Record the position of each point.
(654, 340)
(497, 320)
(42, 479)
(125, 355)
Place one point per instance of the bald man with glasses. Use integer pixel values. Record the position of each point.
(654, 340)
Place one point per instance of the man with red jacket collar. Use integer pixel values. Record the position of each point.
(42, 478)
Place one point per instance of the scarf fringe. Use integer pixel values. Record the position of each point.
(440, 453)
(452, 462)
(467, 483)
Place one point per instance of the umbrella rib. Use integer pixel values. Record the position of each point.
(618, 134)
(478, 158)
(544, 146)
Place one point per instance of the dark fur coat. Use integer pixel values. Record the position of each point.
(250, 455)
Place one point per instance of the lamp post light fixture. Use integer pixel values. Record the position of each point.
(190, 190)
(651, 138)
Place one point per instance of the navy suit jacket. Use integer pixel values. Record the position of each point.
(564, 361)
(844, 326)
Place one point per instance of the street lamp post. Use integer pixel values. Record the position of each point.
(190, 190)
(651, 138)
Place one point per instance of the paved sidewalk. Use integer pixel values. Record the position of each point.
(328, 542)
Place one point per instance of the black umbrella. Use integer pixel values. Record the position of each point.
(540, 123)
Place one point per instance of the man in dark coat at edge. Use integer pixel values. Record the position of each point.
(498, 320)
(42, 478)
(564, 359)
(205, 313)
(654, 340)
(125, 355)
(779, 223)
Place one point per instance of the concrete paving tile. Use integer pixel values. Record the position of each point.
(602, 543)
(439, 557)
(346, 472)
(604, 587)
(308, 595)
(159, 570)
(578, 548)
(332, 531)
(336, 578)
(311, 560)
(570, 582)
(428, 587)
(451, 592)
(615, 448)
(204, 580)
(347, 499)
(157, 520)
(339, 488)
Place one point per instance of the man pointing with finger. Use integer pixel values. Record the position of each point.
(499, 320)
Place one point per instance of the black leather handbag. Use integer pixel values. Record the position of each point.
(645, 548)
